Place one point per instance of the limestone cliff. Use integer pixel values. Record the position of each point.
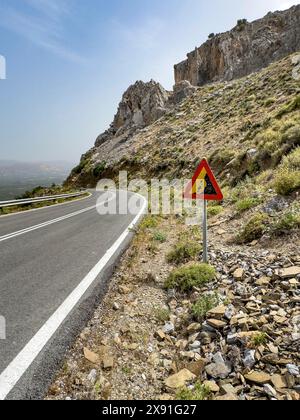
(247, 48)
(145, 134)
(141, 105)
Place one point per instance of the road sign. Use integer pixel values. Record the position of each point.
(204, 186)
(204, 179)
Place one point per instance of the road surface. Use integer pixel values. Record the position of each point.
(55, 264)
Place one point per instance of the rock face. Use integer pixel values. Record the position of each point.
(248, 47)
(141, 105)
(245, 49)
(182, 90)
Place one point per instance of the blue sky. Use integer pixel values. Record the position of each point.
(69, 61)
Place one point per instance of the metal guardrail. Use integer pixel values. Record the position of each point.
(21, 202)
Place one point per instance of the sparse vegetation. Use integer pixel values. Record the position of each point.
(259, 339)
(99, 169)
(292, 106)
(160, 237)
(162, 314)
(204, 305)
(185, 278)
(286, 223)
(184, 252)
(254, 229)
(198, 393)
(79, 168)
(221, 157)
(270, 101)
(98, 388)
(127, 370)
(247, 204)
(213, 211)
(286, 181)
(149, 222)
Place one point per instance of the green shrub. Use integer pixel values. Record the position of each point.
(184, 252)
(78, 169)
(160, 237)
(148, 222)
(287, 222)
(286, 181)
(264, 178)
(268, 143)
(199, 393)
(204, 305)
(214, 211)
(269, 102)
(292, 161)
(221, 157)
(162, 314)
(242, 190)
(185, 278)
(292, 106)
(99, 169)
(247, 204)
(259, 339)
(254, 229)
(292, 136)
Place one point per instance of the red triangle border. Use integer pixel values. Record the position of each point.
(217, 197)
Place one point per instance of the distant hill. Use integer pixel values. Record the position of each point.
(18, 177)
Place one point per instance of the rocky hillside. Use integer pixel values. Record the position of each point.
(157, 133)
(172, 328)
(246, 48)
(244, 127)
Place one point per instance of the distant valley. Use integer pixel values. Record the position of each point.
(18, 177)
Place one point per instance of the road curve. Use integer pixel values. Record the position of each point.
(54, 267)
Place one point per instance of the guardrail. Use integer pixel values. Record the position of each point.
(22, 202)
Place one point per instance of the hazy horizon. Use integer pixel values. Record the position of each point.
(69, 62)
(38, 161)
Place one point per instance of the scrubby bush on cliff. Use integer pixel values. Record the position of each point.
(99, 169)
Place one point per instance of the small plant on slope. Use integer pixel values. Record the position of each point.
(254, 229)
(247, 204)
(204, 305)
(199, 393)
(185, 278)
(184, 252)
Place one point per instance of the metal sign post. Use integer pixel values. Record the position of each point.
(210, 191)
(205, 233)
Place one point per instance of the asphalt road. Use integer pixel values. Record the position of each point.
(55, 264)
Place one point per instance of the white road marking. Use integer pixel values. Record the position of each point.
(51, 222)
(16, 369)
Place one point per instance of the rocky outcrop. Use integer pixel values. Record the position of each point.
(141, 105)
(182, 90)
(247, 48)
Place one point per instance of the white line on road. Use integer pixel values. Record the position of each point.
(16, 369)
(51, 222)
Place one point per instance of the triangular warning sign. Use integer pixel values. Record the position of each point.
(203, 185)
